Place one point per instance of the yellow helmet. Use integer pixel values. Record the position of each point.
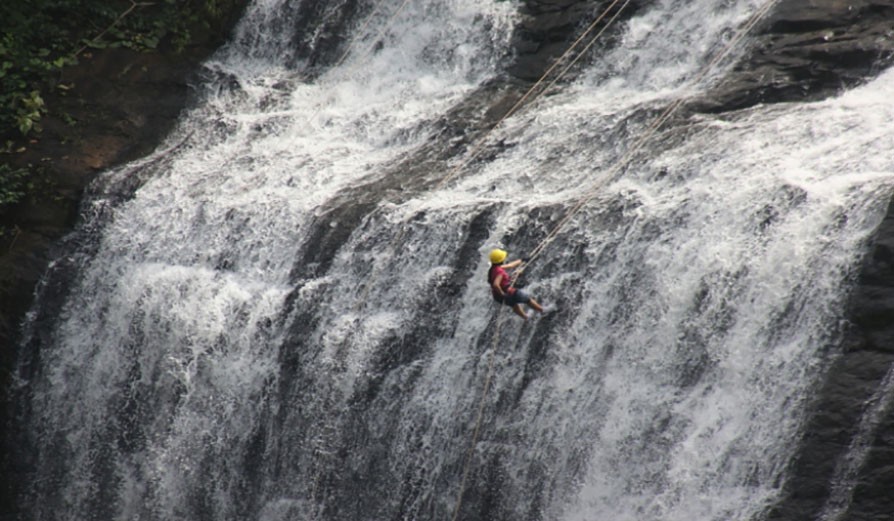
(497, 256)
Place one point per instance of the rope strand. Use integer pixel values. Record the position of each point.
(589, 195)
(480, 415)
(473, 153)
(593, 190)
(469, 158)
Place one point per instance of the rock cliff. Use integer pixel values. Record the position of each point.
(805, 50)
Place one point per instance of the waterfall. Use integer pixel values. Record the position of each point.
(281, 316)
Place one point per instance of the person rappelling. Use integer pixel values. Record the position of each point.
(502, 287)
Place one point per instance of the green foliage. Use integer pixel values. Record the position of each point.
(14, 184)
(22, 71)
(28, 112)
(39, 37)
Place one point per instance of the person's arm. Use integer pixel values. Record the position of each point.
(514, 264)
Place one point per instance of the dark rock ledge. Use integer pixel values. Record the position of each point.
(808, 50)
(851, 408)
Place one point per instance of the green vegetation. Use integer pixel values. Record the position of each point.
(13, 184)
(40, 37)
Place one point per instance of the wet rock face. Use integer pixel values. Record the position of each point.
(548, 27)
(808, 50)
(852, 409)
(544, 33)
(123, 103)
(117, 106)
(804, 50)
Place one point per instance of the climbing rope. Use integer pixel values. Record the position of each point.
(530, 93)
(476, 149)
(665, 115)
(534, 93)
(470, 454)
(473, 443)
(587, 197)
(473, 153)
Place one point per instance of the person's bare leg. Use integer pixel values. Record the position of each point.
(537, 307)
(519, 311)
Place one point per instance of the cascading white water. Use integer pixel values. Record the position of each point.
(208, 244)
(694, 302)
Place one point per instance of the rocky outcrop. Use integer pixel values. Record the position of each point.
(807, 50)
(846, 449)
(118, 106)
(548, 27)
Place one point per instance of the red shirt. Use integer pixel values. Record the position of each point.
(495, 271)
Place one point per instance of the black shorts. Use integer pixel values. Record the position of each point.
(519, 297)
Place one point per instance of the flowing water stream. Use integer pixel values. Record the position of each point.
(211, 360)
